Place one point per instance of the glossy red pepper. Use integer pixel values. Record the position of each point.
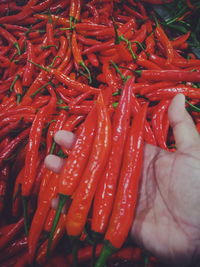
(127, 192)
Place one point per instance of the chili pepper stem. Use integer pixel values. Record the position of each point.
(18, 49)
(106, 252)
(61, 203)
(87, 70)
(24, 204)
(38, 65)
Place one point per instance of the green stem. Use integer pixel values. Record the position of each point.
(14, 81)
(38, 65)
(53, 61)
(61, 203)
(25, 214)
(48, 46)
(193, 108)
(129, 46)
(19, 98)
(124, 78)
(106, 252)
(39, 89)
(87, 70)
(52, 147)
(18, 49)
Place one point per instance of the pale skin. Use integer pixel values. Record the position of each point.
(167, 221)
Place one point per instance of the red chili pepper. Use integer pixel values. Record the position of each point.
(105, 193)
(170, 92)
(6, 239)
(59, 232)
(157, 123)
(10, 38)
(33, 145)
(50, 36)
(14, 248)
(148, 133)
(40, 215)
(162, 37)
(62, 51)
(77, 55)
(8, 150)
(77, 213)
(180, 39)
(127, 192)
(29, 68)
(42, 6)
(170, 75)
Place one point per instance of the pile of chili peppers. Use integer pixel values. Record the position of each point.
(107, 71)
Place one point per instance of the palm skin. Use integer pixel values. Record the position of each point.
(167, 221)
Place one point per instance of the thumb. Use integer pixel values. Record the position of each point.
(185, 133)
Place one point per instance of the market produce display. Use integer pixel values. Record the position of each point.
(107, 71)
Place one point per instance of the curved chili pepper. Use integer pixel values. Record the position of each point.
(29, 69)
(81, 203)
(127, 192)
(8, 150)
(162, 37)
(17, 227)
(10, 38)
(180, 39)
(40, 215)
(77, 55)
(157, 123)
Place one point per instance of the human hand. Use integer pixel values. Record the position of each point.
(167, 221)
(167, 217)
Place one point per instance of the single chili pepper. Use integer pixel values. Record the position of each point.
(72, 170)
(151, 87)
(104, 195)
(6, 239)
(50, 36)
(110, 78)
(162, 37)
(147, 64)
(69, 82)
(180, 39)
(134, 13)
(148, 133)
(4, 176)
(9, 128)
(29, 68)
(17, 110)
(184, 63)
(77, 55)
(162, 62)
(8, 150)
(72, 11)
(170, 75)
(40, 101)
(66, 61)
(42, 6)
(59, 232)
(33, 145)
(40, 215)
(78, 11)
(150, 44)
(10, 38)
(93, 59)
(77, 213)
(57, 20)
(87, 41)
(157, 123)
(124, 207)
(61, 52)
(14, 248)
